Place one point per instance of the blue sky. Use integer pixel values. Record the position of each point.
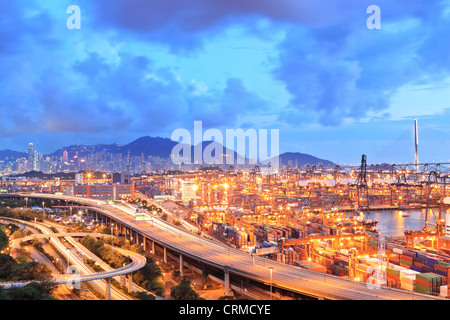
(311, 69)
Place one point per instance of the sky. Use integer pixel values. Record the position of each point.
(333, 87)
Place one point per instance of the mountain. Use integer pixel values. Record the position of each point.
(149, 146)
(11, 155)
(301, 159)
(162, 147)
(83, 150)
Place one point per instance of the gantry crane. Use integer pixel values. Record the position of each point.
(362, 186)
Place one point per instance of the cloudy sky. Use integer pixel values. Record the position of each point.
(312, 69)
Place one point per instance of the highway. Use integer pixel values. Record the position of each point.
(86, 274)
(216, 254)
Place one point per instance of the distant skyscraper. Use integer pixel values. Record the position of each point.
(36, 161)
(30, 156)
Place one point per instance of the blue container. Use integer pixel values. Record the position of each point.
(442, 273)
(427, 269)
(415, 268)
(420, 260)
(430, 262)
(422, 256)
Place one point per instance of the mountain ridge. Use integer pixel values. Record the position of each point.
(159, 147)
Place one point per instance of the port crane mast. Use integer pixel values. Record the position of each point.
(362, 186)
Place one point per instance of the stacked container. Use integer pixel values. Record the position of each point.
(393, 277)
(428, 283)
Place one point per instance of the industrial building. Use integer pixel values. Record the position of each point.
(100, 191)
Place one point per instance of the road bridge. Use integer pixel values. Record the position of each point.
(233, 262)
(137, 261)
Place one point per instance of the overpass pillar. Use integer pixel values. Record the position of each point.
(144, 242)
(165, 254)
(130, 282)
(181, 265)
(153, 247)
(108, 289)
(226, 281)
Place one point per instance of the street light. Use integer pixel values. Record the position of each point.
(270, 269)
(112, 243)
(68, 257)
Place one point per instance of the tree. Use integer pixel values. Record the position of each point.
(6, 265)
(30, 271)
(18, 234)
(145, 296)
(32, 291)
(155, 285)
(106, 230)
(137, 248)
(3, 240)
(184, 291)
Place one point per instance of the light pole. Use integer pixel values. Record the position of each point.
(270, 270)
(68, 257)
(112, 243)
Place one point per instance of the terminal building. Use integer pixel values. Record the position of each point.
(99, 191)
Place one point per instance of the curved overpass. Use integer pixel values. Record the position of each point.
(137, 261)
(235, 262)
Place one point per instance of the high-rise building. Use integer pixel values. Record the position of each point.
(122, 178)
(36, 161)
(30, 156)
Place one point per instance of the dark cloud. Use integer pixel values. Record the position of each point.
(333, 67)
(186, 25)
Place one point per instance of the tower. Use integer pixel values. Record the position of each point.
(382, 260)
(361, 185)
(30, 156)
(416, 144)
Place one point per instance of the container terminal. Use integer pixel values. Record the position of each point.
(314, 218)
(311, 217)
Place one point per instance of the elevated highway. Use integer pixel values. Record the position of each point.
(138, 261)
(234, 262)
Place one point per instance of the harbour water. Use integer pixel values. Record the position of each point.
(394, 222)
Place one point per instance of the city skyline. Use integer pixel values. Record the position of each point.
(334, 88)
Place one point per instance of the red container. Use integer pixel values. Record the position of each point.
(424, 283)
(406, 258)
